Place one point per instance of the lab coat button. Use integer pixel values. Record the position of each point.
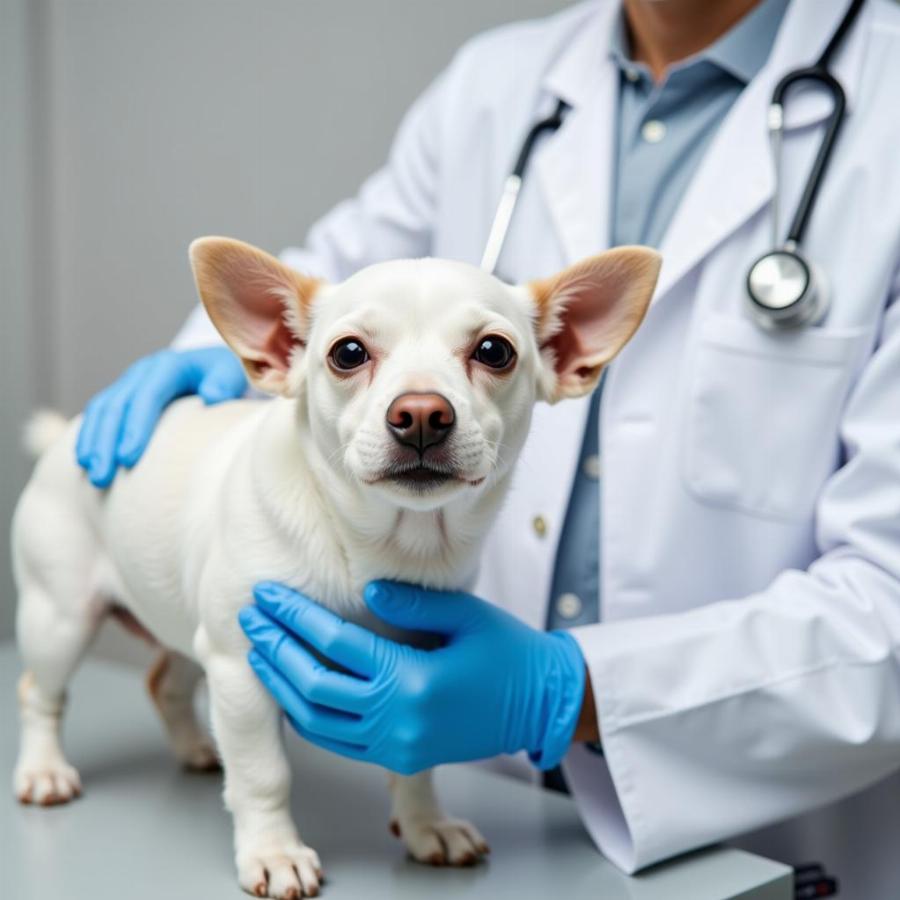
(569, 606)
(591, 466)
(539, 524)
(653, 131)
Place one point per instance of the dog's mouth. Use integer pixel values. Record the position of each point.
(421, 477)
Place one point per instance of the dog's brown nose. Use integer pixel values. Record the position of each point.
(420, 420)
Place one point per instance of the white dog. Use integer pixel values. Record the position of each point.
(405, 397)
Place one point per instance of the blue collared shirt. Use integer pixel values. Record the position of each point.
(663, 130)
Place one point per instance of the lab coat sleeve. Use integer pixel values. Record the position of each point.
(391, 217)
(738, 714)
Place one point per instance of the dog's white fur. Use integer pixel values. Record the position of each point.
(291, 490)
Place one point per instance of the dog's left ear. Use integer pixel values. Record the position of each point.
(260, 306)
(587, 313)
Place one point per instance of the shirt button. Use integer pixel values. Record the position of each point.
(539, 524)
(569, 606)
(632, 74)
(653, 131)
(591, 466)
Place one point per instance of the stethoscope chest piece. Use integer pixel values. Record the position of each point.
(783, 291)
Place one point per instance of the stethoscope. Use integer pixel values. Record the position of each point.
(784, 289)
(512, 186)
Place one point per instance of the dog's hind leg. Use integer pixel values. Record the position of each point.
(52, 641)
(55, 559)
(172, 682)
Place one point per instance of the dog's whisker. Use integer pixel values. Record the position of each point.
(340, 449)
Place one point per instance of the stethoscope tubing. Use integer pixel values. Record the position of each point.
(818, 73)
(513, 184)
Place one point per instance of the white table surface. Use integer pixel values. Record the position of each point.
(145, 830)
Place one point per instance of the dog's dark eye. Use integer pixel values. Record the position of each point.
(494, 351)
(348, 354)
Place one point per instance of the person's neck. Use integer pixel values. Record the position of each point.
(666, 31)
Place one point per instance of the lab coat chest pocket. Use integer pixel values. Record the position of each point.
(762, 416)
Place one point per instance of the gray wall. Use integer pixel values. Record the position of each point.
(129, 127)
(19, 351)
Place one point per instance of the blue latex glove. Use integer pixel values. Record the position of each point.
(119, 421)
(495, 686)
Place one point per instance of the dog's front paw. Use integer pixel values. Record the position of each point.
(441, 841)
(285, 870)
(46, 782)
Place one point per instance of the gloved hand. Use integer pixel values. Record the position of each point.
(119, 421)
(495, 686)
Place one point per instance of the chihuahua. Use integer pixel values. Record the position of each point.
(403, 397)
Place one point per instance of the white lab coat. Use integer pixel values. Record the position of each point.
(748, 667)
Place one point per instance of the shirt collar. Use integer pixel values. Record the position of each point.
(741, 51)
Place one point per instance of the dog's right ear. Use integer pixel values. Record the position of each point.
(585, 315)
(260, 306)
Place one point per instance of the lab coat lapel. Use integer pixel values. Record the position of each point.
(574, 169)
(576, 187)
(736, 177)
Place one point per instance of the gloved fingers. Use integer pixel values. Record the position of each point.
(104, 464)
(96, 446)
(315, 682)
(93, 413)
(420, 609)
(352, 647)
(351, 751)
(167, 376)
(226, 380)
(317, 721)
(94, 449)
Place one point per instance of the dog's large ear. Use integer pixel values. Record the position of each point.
(587, 313)
(260, 306)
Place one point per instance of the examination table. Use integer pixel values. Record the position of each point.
(146, 830)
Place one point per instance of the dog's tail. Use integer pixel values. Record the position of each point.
(43, 429)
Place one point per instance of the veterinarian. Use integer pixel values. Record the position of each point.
(719, 526)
